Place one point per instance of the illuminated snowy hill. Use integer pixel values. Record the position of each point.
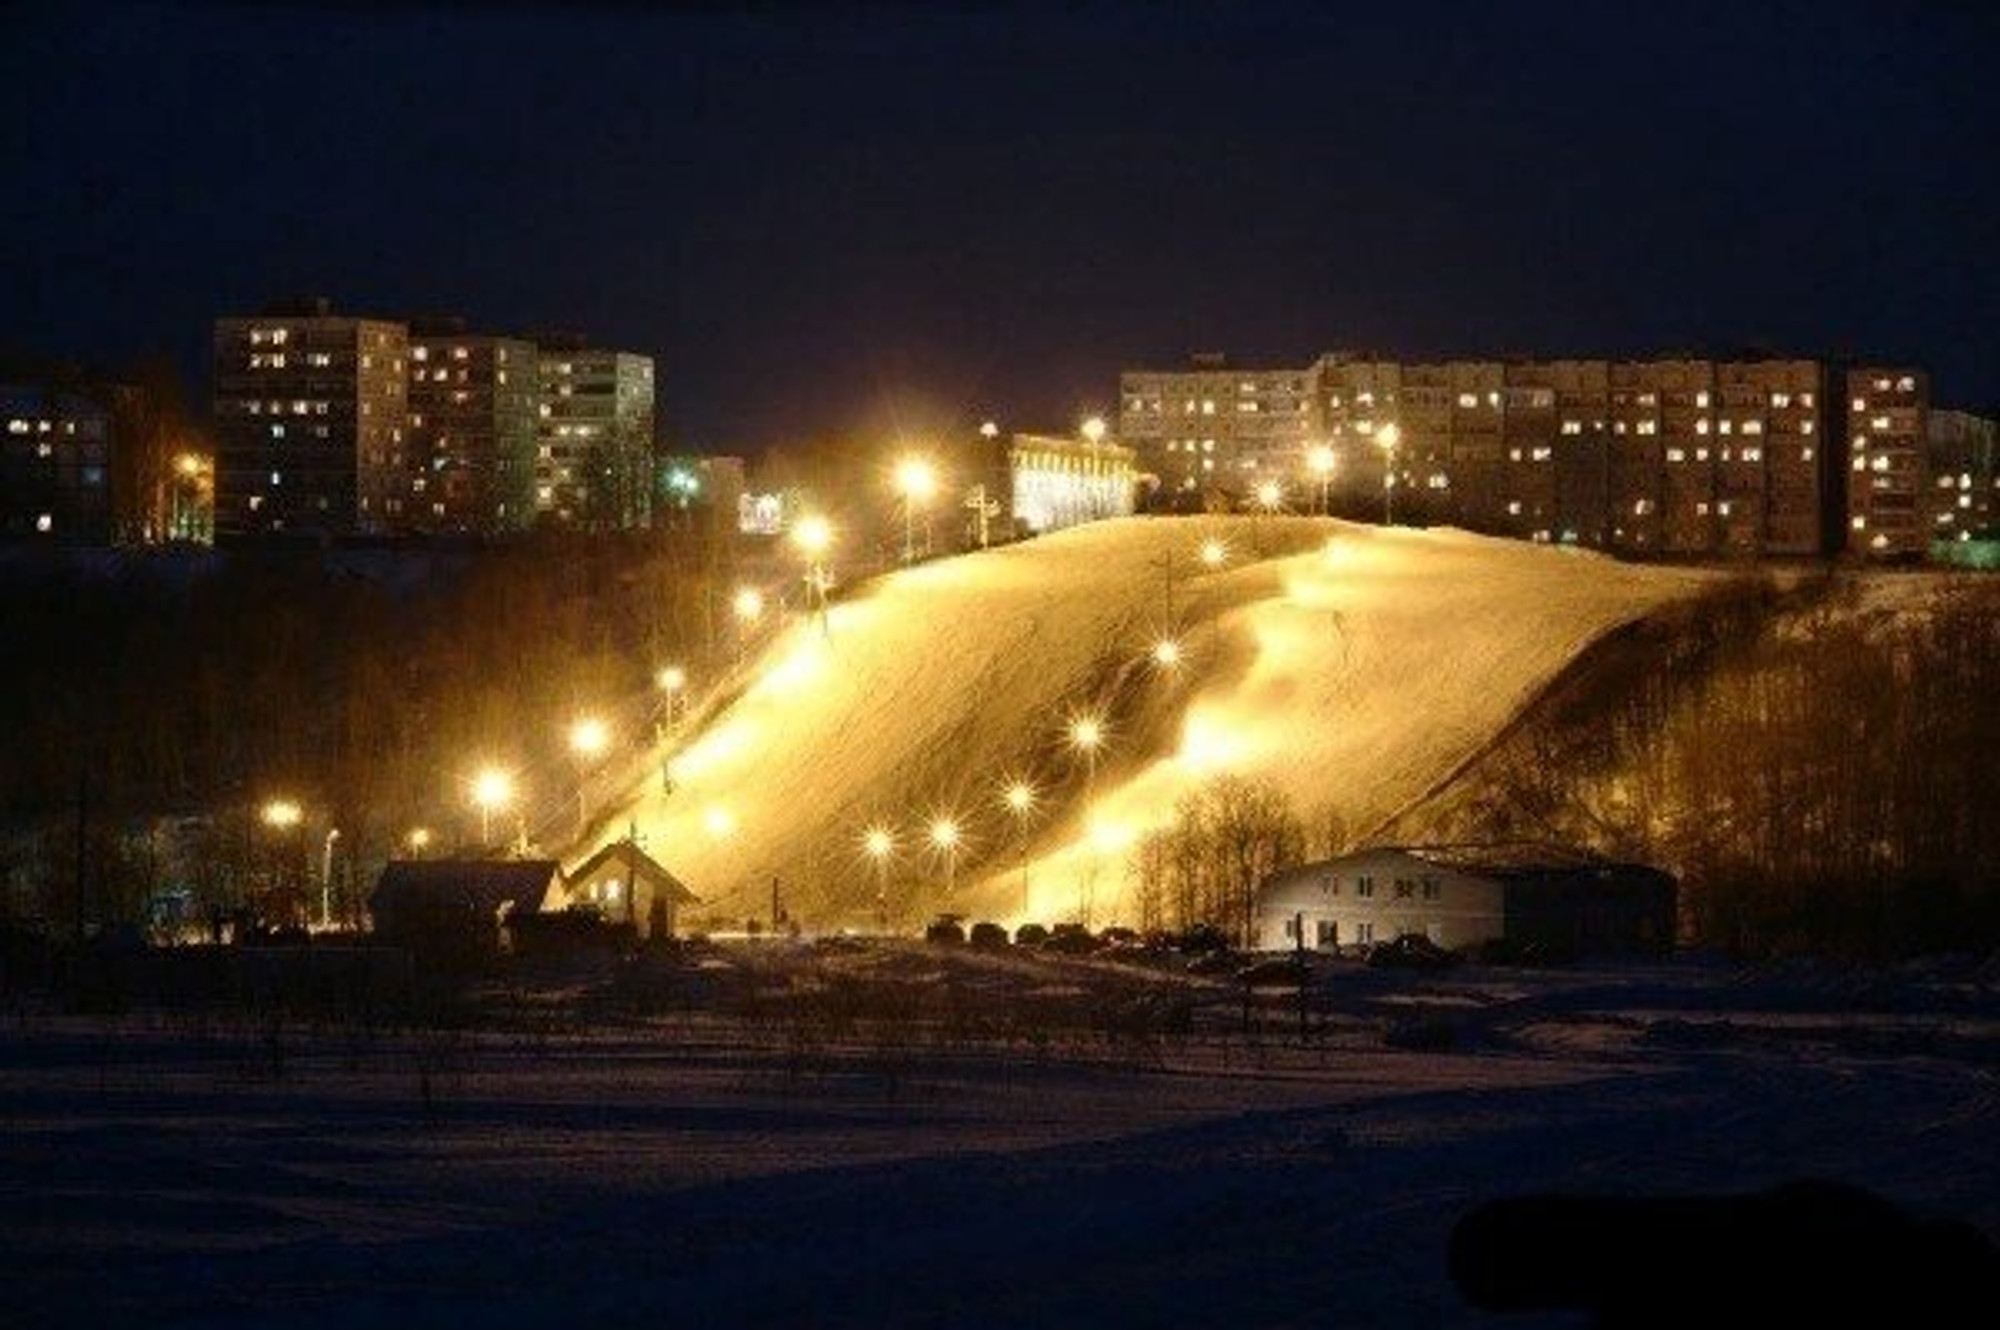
(1352, 666)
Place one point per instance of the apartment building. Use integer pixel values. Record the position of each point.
(1213, 426)
(310, 422)
(1887, 461)
(1963, 499)
(594, 465)
(472, 434)
(55, 465)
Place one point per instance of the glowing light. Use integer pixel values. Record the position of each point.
(1094, 429)
(282, 814)
(1321, 461)
(492, 788)
(878, 842)
(944, 833)
(1166, 653)
(916, 479)
(672, 679)
(749, 604)
(419, 839)
(1207, 746)
(589, 736)
(1086, 732)
(813, 535)
(1108, 836)
(1270, 496)
(989, 430)
(718, 822)
(1020, 798)
(1214, 553)
(190, 464)
(1389, 436)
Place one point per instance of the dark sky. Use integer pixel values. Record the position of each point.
(873, 217)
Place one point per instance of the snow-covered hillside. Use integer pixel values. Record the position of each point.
(1352, 666)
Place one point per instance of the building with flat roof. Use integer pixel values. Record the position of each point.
(1963, 500)
(472, 435)
(1213, 426)
(55, 465)
(1465, 896)
(310, 421)
(594, 467)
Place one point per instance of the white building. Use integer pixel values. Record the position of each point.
(1460, 896)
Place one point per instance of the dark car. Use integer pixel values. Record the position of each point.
(1214, 962)
(946, 931)
(1278, 972)
(1411, 951)
(1119, 937)
(1030, 935)
(1071, 940)
(988, 936)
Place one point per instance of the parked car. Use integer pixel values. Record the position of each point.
(1215, 962)
(988, 936)
(946, 931)
(1277, 972)
(1071, 940)
(1411, 951)
(1030, 935)
(1119, 937)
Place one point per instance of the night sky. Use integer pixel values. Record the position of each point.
(887, 217)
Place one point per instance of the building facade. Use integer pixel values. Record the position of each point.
(472, 435)
(594, 466)
(55, 466)
(1667, 457)
(1462, 897)
(310, 422)
(1055, 482)
(1964, 468)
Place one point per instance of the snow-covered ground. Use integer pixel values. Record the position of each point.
(1352, 666)
(707, 1170)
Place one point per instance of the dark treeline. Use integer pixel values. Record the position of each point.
(1816, 766)
(367, 685)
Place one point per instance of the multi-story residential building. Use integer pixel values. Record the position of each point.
(472, 435)
(1963, 500)
(1214, 427)
(55, 465)
(1355, 400)
(594, 469)
(309, 421)
(1887, 461)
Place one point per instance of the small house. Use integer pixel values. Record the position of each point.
(627, 885)
(457, 909)
(1463, 896)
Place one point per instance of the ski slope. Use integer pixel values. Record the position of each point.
(1354, 667)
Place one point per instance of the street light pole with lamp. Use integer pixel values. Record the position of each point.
(1387, 437)
(1321, 461)
(813, 535)
(916, 481)
(492, 789)
(588, 738)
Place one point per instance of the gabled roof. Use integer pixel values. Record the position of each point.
(643, 867)
(468, 885)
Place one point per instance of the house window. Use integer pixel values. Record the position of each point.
(1326, 933)
(1364, 932)
(1364, 887)
(1405, 888)
(1292, 927)
(1432, 890)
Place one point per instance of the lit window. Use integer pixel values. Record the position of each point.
(1906, 384)
(1881, 385)
(1701, 425)
(1701, 398)
(1806, 425)
(1208, 406)
(1542, 454)
(46, 522)
(1572, 427)
(1468, 399)
(1723, 426)
(1753, 454)
(1753, 427)
(1805, 454)
(1805, 399)
(1860, 404)
(1879, 424)
(1859, 523)
(1781, 399)
(1514, 507)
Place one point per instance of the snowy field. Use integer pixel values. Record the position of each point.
(1355, 667)
(708, 1169)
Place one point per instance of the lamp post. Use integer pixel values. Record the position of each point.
(418, 840)
(326, 879)
(1270, 496)
(1321, 461)
(1167, 653)
(945, 839)
(749, 607)
(283, 817)
(1020, 799)
(588, 738)
(813, 535)
(673, 681)
(492, 789)
(1388, 436)
(879, 843)
(1214, 553)
(916, 481)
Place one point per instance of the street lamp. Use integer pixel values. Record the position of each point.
(1094, 429)
(492, 789)
(326, 880)
(1321, 462)
(945, 839)
(916, 481)
(419, 840)
(1020, 798)
(813, 535)
(1214, 553)
(1167, 653)
(588, 738)
(1086, 739)
(282, 814)
(1270, 496)
(673, 681)
(1388, 437)
(749, 607)
(879, 843)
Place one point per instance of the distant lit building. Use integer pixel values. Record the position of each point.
(1054, 482)
(310, 420)
(55, 466)
(472, 436)
(694, 483)
(1213, 426)
(594, 469)
(1963, 498)
(1888, 442)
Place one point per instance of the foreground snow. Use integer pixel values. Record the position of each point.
(707, 1172)
(1353, 666)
